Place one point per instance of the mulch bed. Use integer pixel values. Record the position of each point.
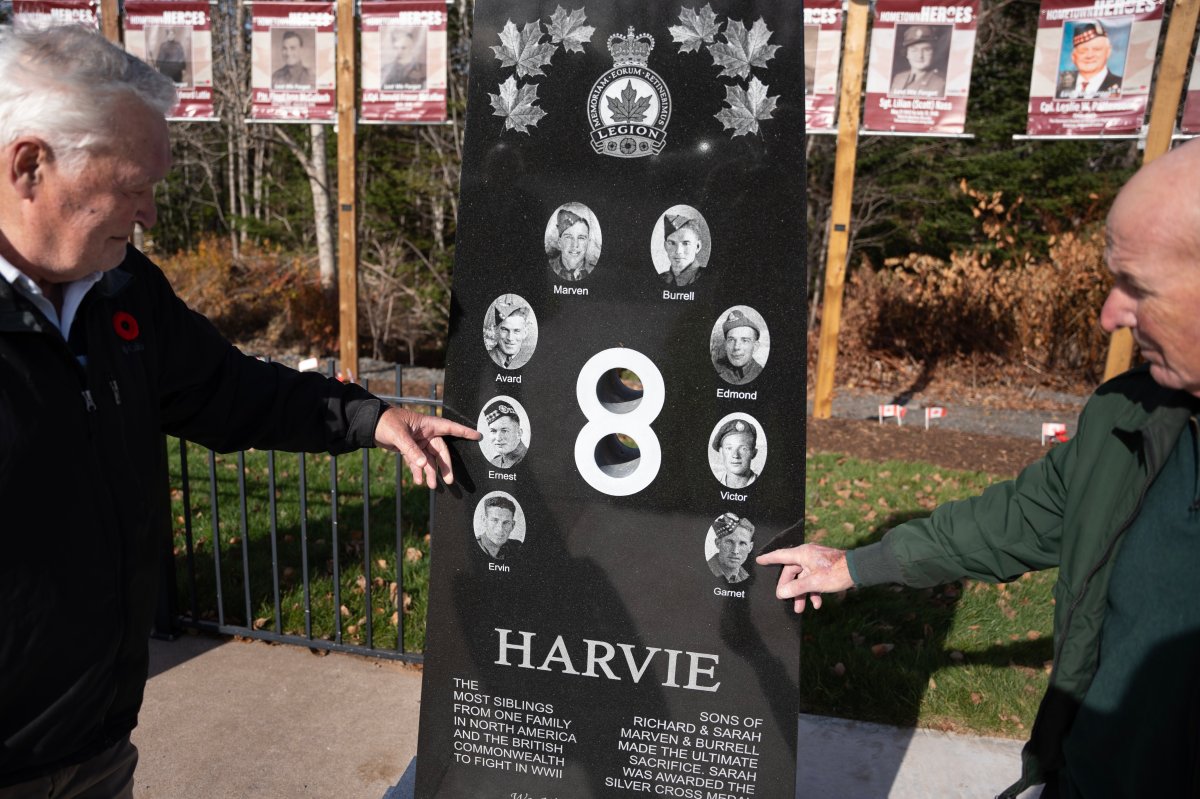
(952, 449)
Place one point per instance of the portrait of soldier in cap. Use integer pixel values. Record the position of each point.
(738, 451)
(730, 539)
(1088, 74)
(290, 47)
(739, 345)
(679, 245)
(170, 54)
(505, 428)
(919, 64)
(499, 526)
(510, 331)
(573, 242)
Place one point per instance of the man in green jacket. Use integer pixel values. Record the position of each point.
(1116, 509)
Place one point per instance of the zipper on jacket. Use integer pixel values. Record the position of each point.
(1195, 425)
(88, 402)
(116, 391)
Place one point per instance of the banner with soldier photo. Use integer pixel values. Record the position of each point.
(403, 76)
(1191, 104)
(919, 74)
(34, 14)
(292, 72)
(822, 59)
(1092, 66)
(175, 37)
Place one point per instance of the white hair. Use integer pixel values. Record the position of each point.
(61, 84)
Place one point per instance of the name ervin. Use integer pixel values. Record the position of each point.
(560, 289)
(726, 393)
(600, 657)
(498, 567)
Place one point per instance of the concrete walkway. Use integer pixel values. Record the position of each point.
(248, 720)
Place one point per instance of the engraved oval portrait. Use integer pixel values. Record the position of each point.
(510, 331)
(680, 245)
(573, 241)
(739, 345)
(499, 526)
(737, 450)
(506, 432)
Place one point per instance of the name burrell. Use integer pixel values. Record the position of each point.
(679, 295)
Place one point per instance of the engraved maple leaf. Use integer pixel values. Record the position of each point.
(746, 107)
(695, 28)
(743, 49)
(523, 49)
(631, 108)
(569, 30)
(518, 105)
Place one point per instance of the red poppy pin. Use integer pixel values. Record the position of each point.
(125, 325)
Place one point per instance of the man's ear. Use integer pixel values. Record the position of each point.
(24, 165)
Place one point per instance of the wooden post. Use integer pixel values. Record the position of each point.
(110, 20)
(347, 89)
(853, 55)
(1168, 88)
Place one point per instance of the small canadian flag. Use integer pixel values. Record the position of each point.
(1056, 431)
(890, 411)
(934, 412)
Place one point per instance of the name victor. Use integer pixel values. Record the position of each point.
(600, 657)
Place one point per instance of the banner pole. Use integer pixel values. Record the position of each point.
(853, 55)
(1168, 88)
(110, 20)
(347, 91)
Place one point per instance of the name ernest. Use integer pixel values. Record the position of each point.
(696, 668)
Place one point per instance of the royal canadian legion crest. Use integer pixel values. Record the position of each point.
(629, 106)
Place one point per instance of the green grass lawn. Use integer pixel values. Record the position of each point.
(965, 656)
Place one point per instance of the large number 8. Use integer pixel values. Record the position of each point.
(612, 408)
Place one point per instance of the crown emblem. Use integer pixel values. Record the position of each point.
(630, 50)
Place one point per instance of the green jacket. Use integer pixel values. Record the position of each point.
(1069, 509)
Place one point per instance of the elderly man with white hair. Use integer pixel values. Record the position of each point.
(99, 358)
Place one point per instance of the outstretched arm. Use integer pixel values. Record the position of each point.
(418, 438)
(809, 570)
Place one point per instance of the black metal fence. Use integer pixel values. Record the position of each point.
(244, 585)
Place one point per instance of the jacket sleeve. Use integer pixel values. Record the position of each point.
(1011, 528)
(212, 393)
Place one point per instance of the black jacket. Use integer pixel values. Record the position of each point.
(83, 493)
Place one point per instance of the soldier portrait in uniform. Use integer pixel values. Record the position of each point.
(403, 61)
(728, 546)
(291, 49)
(168, 48)
(510, 331)
(680, 245)
(499, 526)
(505, 427)
(740, 345)
(919, 61)
(737, 450)
(1093, 69)
(573, 241)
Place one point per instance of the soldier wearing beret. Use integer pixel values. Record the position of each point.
(510, 323)
(922, 77)
(735, 363)
(735, 539)
(681, 241)
(504, 433)
(569, 253)
(499, 519)
(1090, 51)
(736, 443)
